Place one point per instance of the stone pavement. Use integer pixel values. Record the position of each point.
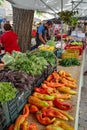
(83, 104)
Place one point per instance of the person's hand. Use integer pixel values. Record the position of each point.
(45, 43)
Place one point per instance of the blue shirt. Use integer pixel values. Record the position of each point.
(40, 30)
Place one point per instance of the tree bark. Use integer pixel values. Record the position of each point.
(22, 22)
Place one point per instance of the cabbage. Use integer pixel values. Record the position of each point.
(51, 43)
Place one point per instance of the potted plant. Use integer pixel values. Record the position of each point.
(68, 17)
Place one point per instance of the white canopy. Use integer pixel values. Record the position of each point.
(52, 6)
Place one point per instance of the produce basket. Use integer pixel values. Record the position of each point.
(70, 54)
(45, 73)
(12, 107)
(6, 113)
(74, 47)
(3, 124)
(39, 79)
(20, 101)
(50, 69)
(27, 94)
(2, 118)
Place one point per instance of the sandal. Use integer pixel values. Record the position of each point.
(85, 73)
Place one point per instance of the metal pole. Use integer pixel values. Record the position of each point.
(77, 4)
(61, 26)
(72, 5)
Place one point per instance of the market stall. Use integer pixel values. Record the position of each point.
(38, 77)
(30, 70)
(22, 98)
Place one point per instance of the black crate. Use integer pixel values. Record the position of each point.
(13, 116)
(45, 73)
(49, 69)
(39, 79)
(20, 101)
(12, 108)
(6, 113)
(27, 94)
(55, 68)
(3, 124)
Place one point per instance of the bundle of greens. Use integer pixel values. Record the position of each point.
(48, 55)
(69, 62)
(33, 63)
(7, 92)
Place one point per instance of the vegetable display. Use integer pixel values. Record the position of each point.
(69, 62)
(32, 63)
(48, 104)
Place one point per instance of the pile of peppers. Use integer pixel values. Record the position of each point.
(48, 104)
(21, 122)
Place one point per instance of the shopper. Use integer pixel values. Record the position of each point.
(2, 25)
(9, 39)
(42, 33)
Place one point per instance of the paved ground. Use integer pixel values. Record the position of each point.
(83, 104)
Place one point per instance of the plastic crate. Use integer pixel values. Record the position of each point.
(2, 119)
(38, 83)
(1, 110)
(39, 79)
(70, 54)
(45, 73)
(27, 94)
(75, 47)
(13, 116)
(50, 69)
(12, 108)
(6, 113)
(20, 101)
(3, 124)
(55, 68)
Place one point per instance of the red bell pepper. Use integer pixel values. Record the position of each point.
(41, 90)
(44, 120)
(52, 112)
(32, 126)
(26, 110)
(33, 109)
(62, 105)
(11, 127)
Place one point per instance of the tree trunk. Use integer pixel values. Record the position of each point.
(22, 22)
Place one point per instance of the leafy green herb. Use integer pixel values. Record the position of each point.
(7, 92)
